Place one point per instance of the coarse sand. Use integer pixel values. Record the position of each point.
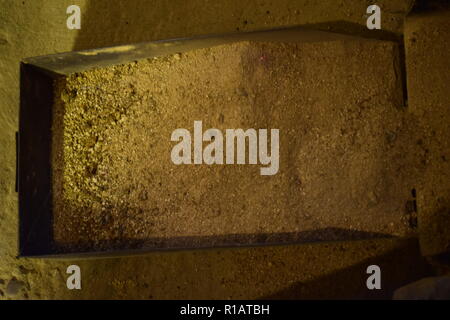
(345, 161)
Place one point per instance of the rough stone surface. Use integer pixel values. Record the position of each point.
(427, 59)
(31, 28)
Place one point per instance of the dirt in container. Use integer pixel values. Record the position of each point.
(346, 164)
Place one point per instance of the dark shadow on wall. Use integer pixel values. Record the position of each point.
(106, 23)
(423, 6)
(398, 268)
(134, 21)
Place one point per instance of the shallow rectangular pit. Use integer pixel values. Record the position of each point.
(95, 171)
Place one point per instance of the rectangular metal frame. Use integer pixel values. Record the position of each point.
(34, 169)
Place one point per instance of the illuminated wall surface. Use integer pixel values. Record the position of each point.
(334, 145)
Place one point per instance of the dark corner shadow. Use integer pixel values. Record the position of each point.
(143, 20)
(398, 268)
(424, 6)
(354, 29)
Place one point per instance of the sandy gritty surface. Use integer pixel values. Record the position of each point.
(31, 28)
(345, 158)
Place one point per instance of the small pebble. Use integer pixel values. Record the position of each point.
(14, 286)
